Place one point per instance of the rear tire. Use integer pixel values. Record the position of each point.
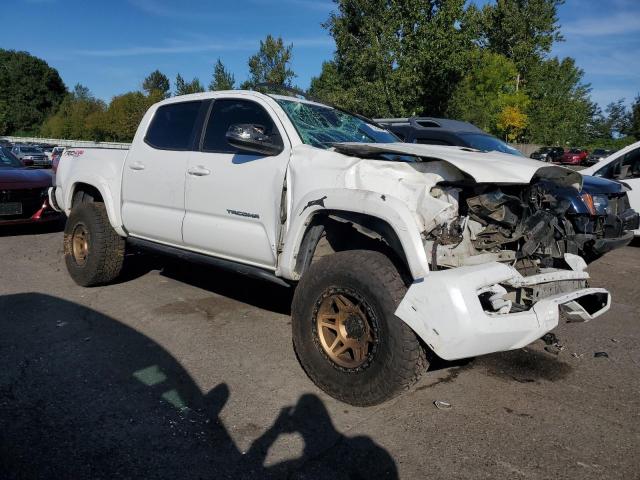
(93, 250)
(356, 293)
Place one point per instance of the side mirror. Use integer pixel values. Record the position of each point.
(252, 138)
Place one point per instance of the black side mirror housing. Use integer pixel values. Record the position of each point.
(252, 138)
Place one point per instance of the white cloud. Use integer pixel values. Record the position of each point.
(621, 23)
(180, 47)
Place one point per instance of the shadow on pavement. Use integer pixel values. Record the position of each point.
(84, 396)
(52, 226)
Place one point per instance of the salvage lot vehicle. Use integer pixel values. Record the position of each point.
(600, 212)
(23, 192)
(574, 156)
(624, 166)
(548, 154)
(31, 156)
(391, 245)
(597, 155)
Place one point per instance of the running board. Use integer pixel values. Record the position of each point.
(239, 268)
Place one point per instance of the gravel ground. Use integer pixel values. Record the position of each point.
(187, 372)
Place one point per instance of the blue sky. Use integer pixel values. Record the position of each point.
(110, 45)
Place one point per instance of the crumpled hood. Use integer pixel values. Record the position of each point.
(483, 167)
(19, 178)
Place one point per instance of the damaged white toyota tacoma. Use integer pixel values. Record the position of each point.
(394, 249)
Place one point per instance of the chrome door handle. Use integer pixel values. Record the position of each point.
(198, 171)
(136, 166)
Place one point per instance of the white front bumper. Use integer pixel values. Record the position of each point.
(445, 311)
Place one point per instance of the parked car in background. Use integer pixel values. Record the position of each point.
(574, 156)
(623, 166)
(600, 229)
(31, 156)
(23, 192)
(548, 154)
(597, 155)
(444, 131)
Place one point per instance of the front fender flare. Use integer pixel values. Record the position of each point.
(385, 207)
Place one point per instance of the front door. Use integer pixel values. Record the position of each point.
(233, 197)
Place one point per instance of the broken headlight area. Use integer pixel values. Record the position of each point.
(526, 226)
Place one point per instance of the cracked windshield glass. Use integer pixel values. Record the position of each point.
(322, 126)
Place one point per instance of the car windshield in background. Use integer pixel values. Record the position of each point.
(8, 160)
(487, 143)
(575, 150)
(30, 150)
(322, 126)
(599, 151)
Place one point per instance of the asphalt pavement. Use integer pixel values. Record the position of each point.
(180, 371)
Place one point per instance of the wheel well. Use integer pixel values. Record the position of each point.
(83, 192)
(336, 231)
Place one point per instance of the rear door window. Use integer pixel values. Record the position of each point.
(173, 125)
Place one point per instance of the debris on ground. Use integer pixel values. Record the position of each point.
(553, 345)
(601, 355)
(442, 405)
(577, 355)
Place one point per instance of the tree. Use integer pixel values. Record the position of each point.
(511, 122)
(71, 119)
(396, 58)
(157, 83)
(185, 88)
(271, 64)
(634, 124)
(124, 114)
(521, 30)
(619, 118)
(222, 79)
(561, 111)
(30, 90)
(487, 91)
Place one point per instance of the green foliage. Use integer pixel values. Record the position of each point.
(185, 88)
(222, 78)
(561, 110)
(157, 83)
(30, 90)
(634, 124)
(490, 87)
(271, 64)
(396, 58)
(76, 117)
(121, 120)
(521, 30)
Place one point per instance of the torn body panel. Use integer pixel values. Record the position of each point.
(447, 310)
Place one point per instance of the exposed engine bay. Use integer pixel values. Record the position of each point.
(525, 226)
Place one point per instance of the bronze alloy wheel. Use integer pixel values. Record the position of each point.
(80, 244)
(345, 328)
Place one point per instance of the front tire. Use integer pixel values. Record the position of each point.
(346, 334)
(93, 250)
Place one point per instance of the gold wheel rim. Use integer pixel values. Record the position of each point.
(344, 330)
(80, 244)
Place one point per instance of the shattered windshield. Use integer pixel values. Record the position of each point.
(322, 126)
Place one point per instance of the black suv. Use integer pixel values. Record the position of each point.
(548, 154)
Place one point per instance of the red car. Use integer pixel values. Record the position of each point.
(23, 192)
(574, 156)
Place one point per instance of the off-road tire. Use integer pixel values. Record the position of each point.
(399, 358)
(105, 247)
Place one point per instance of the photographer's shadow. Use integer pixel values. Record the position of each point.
(85, 396)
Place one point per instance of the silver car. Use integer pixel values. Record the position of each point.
(31, 156)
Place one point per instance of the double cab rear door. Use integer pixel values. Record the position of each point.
(185, 185)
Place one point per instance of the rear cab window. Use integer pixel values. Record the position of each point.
(173, 126)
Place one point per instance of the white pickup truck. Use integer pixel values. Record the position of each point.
(394, 249)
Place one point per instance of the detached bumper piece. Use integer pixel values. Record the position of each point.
(476, 310)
